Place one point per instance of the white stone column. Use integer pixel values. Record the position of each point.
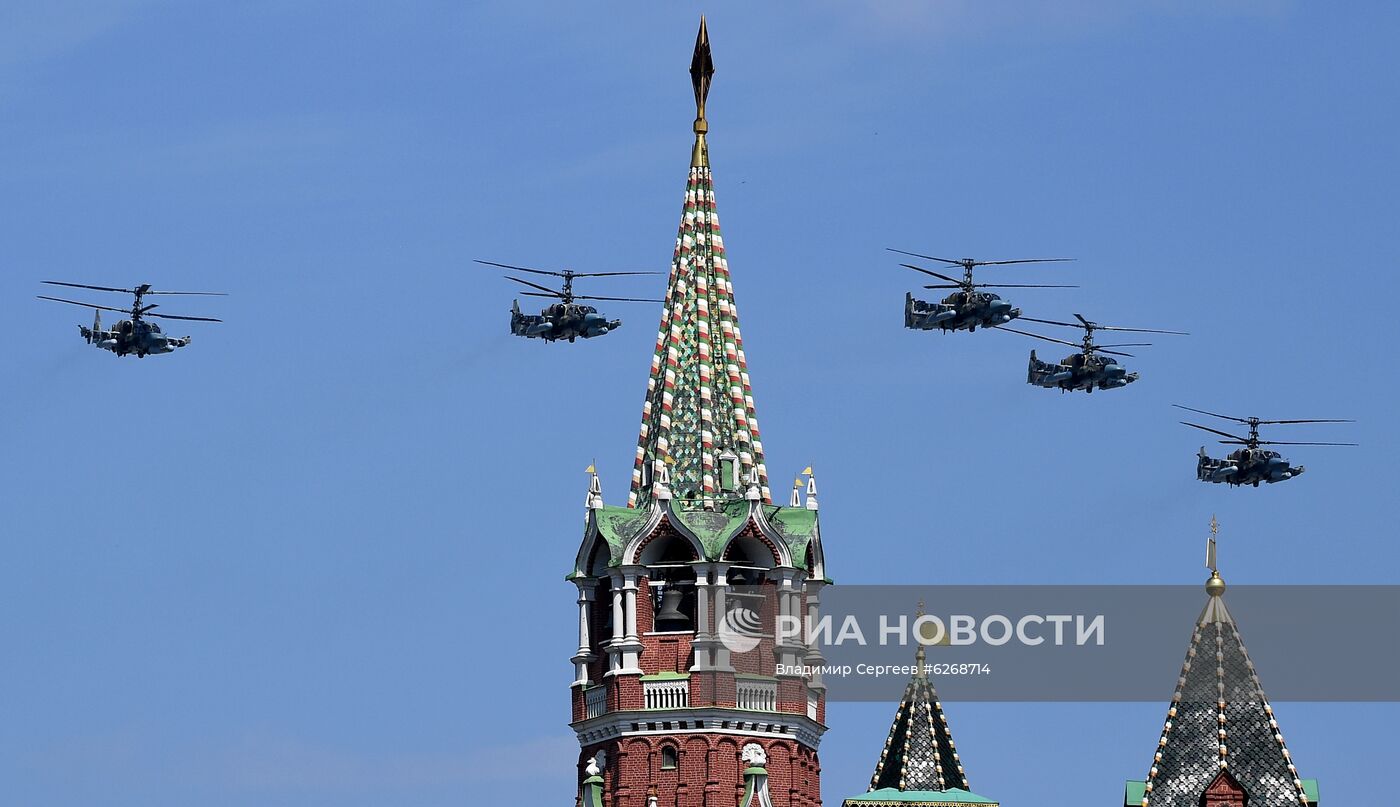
(703, 644)
(814, 658)
(629, 590)
(628, 643)
(619, 625)
(788, 650)
(721, 611)
(581, 659)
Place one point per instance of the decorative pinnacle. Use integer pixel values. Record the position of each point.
(702, 68)
(919, 652)
(1215, 586)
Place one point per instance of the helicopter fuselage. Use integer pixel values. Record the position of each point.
(139, 338)
(959, 311)
(1079, 371)
(1245, 466)
(562, 321)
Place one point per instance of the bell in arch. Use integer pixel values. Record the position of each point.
(670, 617)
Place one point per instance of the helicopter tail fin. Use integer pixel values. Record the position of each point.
(96, 326)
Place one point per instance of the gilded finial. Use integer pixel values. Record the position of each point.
(702, 68)
(1215, 586)
(919, 656)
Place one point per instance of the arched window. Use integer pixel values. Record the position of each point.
(669, 757)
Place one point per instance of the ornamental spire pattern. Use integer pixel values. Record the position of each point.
(919, 753)
(698, 422)
(1220, 722)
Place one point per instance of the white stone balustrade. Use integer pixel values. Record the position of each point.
(758, 696)
(672, 693)
(595, 702)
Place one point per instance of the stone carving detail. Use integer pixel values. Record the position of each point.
(754, 756)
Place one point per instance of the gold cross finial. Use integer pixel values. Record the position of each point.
(1214, 586)
(1210, 545)
(919, 655)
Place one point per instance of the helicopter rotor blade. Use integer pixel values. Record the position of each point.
(1289, 443)
(1212, 414)
(944, 286)
(199, 293)
(1215, 431)
(1020, 286)
(86, 286)
(536, 286)
(519, 268)
(1038, 336)
(1097, 349)
(618, 299)
(1099, 327)
(1021, 260)
(552, 295)
(931, 272)
(925, 257)
(1326, 420)
(612, 274)
(145, 289)
(1050, 322)
(195, 319)
(86, 305)
(1127, 344)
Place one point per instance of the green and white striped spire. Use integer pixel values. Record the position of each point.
(698, 423)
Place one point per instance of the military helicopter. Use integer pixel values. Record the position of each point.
(564, 319)
(1089, 369)
(1249, 465)
(967, 308)
(134, 335)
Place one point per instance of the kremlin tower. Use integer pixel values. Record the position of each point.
(1221, 745)
(686, 692)
(919, 764)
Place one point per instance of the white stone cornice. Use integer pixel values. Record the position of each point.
(704, 720)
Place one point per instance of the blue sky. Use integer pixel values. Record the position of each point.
(316, 558)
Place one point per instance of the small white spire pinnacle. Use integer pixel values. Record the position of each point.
(661, 488)
(595, 489)
(754, 491)
(811, 489)
(796, 493)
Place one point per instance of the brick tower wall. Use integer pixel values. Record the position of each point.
(708, 771)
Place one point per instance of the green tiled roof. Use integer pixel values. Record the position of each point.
(798, 526)
(715, 527)
(1310, 788)
(618, 526)
(946, 798)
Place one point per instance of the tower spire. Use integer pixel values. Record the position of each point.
(702, 68)
(699, 403)
(1221, 737)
